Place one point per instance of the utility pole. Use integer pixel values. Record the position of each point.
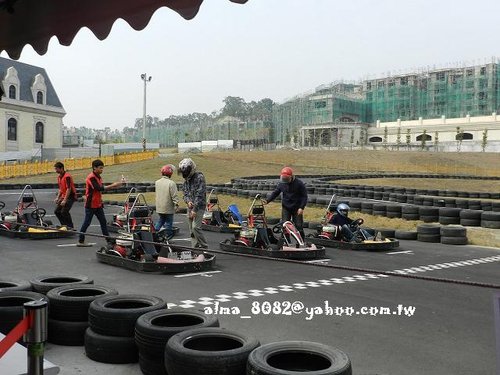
(146, 79)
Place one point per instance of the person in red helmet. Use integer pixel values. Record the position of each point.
(167, 201)
(293, 200)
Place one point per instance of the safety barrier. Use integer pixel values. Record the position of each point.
(31, 169)
(33, 329)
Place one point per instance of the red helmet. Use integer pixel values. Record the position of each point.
(287, 171)
(167, 170)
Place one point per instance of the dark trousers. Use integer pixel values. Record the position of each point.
(89, 214)
(165, 220)
(62, 213)
(297, 220)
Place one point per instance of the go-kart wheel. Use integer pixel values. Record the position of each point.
(2, 205)
(38, 213)
(277, 229)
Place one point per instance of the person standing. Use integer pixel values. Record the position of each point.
(94, 187)
(293, 200)
(167, 201)
(66, 195)
(195, 197)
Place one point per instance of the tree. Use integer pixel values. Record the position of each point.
(423, 139)
(408, 138)
(398, 138)
(234, 106)
(385, 137)
(484, 142)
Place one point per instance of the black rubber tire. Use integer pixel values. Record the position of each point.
(435, 238)
(10, 285)
(490, 224)
(471, 214)
(409, 210)
(454, 240)
(298, 357)
(447, 220)
(428, 229)
(42, 284)
(273, 220)
(387, 233)
(450, 212)
(117, 315)
(110, 349)
(429, 219)
(490, 216)
(11, 307)
(208, 351)
(410, 216)
(470, 222)
(60, 332)
(154, 329)
(151, 365)
(71, 302)
(453, 231)
(405, 235)
(314, 224)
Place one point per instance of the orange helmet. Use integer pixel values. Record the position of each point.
(287, 171)
(167, 170)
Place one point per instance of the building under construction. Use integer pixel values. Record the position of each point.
(320, 117)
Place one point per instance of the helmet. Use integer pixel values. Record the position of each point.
(343, 209)
(186, 167)
(167, 170)
(286, 174)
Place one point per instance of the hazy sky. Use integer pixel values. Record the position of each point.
(265, 48)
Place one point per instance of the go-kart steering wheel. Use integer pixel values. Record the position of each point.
(277, 229)
(38, 213)
(356, 223)
(2, 205)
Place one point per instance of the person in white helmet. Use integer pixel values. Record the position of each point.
(167, 201)
(195, 197)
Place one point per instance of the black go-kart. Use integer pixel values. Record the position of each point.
(27, 220)
(283, 240)
(363, 238)
(216, 220)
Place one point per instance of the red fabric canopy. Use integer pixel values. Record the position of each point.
(34, 22)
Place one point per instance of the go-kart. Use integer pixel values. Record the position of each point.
(21, 223)
(283, 240)
(135, 213)
(215, 220)
(335, 236)
(144, 251)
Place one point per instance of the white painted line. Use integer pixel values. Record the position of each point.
(180, 239)
(401, 252)
(207, 274)
(317, 261)
(74, 244)
(245, 317)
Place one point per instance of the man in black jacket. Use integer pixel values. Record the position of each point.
(293, 200)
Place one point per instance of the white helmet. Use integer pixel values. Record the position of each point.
(186, 166)
(343, 209)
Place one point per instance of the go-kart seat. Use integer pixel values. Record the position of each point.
(30, 220)
(258, 211)
(148, 248)
(213, 201)
(140, 212)
(219, 218)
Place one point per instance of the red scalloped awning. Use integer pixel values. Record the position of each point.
(34, 22)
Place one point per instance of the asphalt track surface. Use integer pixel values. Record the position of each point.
(452, 330)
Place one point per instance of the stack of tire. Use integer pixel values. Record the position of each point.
(429, 214)
(449, 215)
(470, 218)
(429, 233)
(110, 337)
(490, 219)
(42, 284)
(453, 235)
(410, 212)
(68, 315)
(13, 295)
(155, 328)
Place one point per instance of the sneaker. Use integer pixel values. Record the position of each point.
(83, 244)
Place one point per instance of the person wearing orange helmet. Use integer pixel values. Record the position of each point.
(293, 199)
(167, 201)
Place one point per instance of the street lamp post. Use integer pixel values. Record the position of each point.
(146, 79)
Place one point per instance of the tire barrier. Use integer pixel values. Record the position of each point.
(379, 209)
(405, 235)
(429, 233)
(112, 321)
(68, 314)
(204, 351)
(453, 235)
(429, 214)
(449, 216)
(387, 233)
(470, 218)
(490, 219)
(10, 285)
(11, 307)
(298, 357)
(154, 329)
(42, 284)
(394, 211)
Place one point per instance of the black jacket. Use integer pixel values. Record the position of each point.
(294, 194)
